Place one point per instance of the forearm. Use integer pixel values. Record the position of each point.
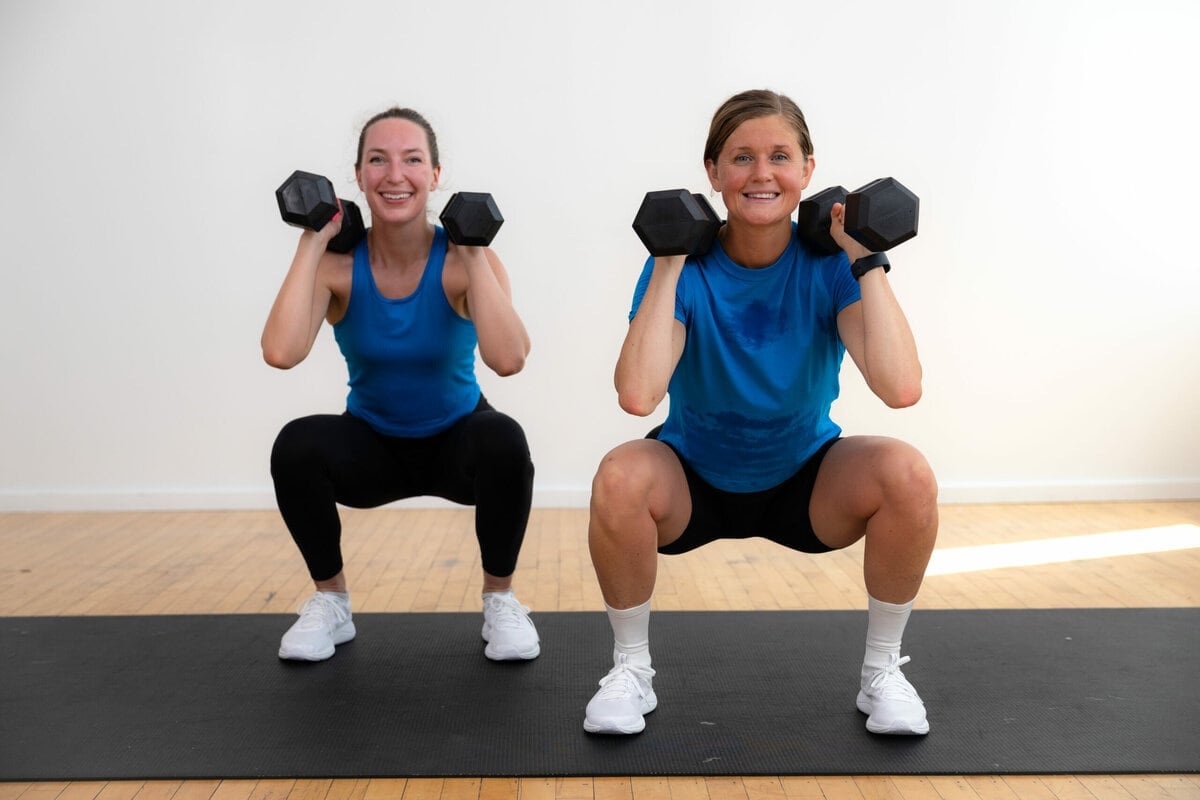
(650, 351)
(890, 360)
(290, 328)
(503, 340)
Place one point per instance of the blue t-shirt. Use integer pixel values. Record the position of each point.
(411, 360)
(750, 397)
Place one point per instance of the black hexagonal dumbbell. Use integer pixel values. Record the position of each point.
(471, 218)
(308, 200)
(880, 215)
(815, 215)
(675, 222)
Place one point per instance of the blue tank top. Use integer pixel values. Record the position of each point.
(411, 360)
(751, 395)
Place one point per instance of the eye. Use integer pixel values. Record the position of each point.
(780, 157)
(741, 158)
(375, 160)
(415, 160)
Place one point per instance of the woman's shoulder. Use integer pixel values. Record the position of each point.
(337, 266)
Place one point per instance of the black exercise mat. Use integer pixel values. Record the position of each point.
(740, 693)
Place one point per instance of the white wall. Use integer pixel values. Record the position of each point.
(1053, 287)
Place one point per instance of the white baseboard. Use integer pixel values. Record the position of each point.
(569, 497)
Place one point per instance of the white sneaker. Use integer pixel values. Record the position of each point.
(324, 622)
(507, 629)
(891, 702)
(625, 696)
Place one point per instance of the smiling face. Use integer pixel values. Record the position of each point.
(761, 170)
(396, 172)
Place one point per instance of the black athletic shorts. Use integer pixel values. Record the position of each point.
(779, 513)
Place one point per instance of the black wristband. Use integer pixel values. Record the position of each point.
(867, 263)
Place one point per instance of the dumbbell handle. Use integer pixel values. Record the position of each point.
(352, 231)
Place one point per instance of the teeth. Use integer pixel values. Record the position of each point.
(395, 196)
(761, 195)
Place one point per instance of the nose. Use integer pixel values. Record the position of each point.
(395, 171)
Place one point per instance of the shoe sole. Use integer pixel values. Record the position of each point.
(512, 655)
(592, 727)
(899, 730)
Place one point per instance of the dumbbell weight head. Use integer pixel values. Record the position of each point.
(675, 222)
(308, 200)
(882, 214)
(471, 218)
(815, 215)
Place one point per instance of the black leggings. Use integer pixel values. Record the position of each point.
(326, 459)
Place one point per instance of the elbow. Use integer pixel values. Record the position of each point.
(904, 400)
(898, 386)
(903, 396)
(279, 359)
(505, 358)
(637, 405)
(508, 368)
(508, 365)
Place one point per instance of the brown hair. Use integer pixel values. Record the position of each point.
(752, 105)
(396, 112)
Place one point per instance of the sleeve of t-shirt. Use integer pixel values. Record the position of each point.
(640, 291)
(845, 288)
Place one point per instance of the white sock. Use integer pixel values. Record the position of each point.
(631, 632)
(885, 629)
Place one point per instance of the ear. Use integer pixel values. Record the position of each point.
(437, 176)
(810, 166)
(358, 178)
(711, 168)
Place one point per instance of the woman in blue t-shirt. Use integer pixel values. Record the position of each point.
(408, 309)
(748, 340)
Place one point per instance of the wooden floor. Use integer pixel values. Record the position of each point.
(403, 559)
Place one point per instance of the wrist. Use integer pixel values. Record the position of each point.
(869, 262)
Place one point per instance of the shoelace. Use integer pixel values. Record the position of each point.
(890, 684)
(320, 609)
(625, 679)
(506, 612)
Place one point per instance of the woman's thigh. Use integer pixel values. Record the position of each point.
(640, 477)
(861, 474)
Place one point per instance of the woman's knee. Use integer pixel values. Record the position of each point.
(628, 476)
(498, 438)
(295, 444)
(911, 470)
(908, 482)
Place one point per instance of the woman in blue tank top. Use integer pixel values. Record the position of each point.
(408, 309)
(748, 340)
